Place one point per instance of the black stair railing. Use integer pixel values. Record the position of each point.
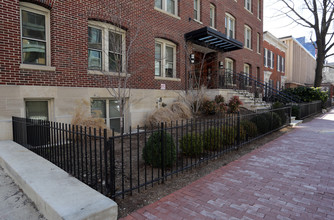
(228, 79)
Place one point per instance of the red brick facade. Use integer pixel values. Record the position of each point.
(276, 75)
(69, 24)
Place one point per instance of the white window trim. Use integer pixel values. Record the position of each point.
(283, 65)
(278, 66)
(258, 9)
(164, 8)
(247, 72)
(43, 11)
(228, 28)
(198, 11)
(272, 60)
(230, 77)
(265, 57)
(105, 27)
(250, 6)
(165, 43)
(247, 28)
(48, 100)
(213, 18)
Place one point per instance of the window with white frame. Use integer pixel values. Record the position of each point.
(246, 73)
(272, 60)
(165, 58)
(268, 58)
(109, 110)
(35, 34)
(248, 37)
(229, 63)
(106, 47)
(229, 26)
(248, 5)
(259, 9)
(265, 51)
(258, 43)
(169, 6)
(197, 10)
(212, 16)
(279, 63)
(283, 65)
(278, 87)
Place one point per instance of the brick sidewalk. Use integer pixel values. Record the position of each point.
(291, 177)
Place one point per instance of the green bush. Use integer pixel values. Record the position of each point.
(281, 113)
(219, 99)
(230, 134)
(213, 139)
(308, 94)
(249, 127)
(191, 144)
(295, 111)
(262, 124)
(234, 104)
(152, 150)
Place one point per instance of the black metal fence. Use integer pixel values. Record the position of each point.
(116, 165)
(304, 110)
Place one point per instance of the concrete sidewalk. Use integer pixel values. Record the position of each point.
(291, 177)
(14, 204)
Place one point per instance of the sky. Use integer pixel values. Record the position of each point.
(282, 26)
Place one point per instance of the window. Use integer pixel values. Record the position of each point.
(229, 26)
(169, 6)
(165, 58)
(265, 51)
(212, 16)
(283, 65)
(38, 110)
(106, 47)
(259, 9)
(268, 58)
(278, 87)
(246, 73)
(229, 71)
(109, 110)
(248, 37)
(272, 60)
(279, 63)
(258, 43)
(197, 10)
(35, 35)
(248, 5)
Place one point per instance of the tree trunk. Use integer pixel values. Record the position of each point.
(318, 70)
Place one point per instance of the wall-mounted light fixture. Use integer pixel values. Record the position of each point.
(221, 65)
(192, 58)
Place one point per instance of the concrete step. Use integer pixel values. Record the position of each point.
(295, 122)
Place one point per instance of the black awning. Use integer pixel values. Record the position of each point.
(213, 39)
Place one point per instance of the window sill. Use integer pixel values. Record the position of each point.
(167, 13)
(198, 21)
(167, 78)
(249, 11)
(98, 72)
(37, 67)
(248, 48)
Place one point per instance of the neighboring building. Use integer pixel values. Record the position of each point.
(328, 78)
(309, 46)
(299, 65)
(55, 53)
(274, 61)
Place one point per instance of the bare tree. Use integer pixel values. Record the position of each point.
(122, 45)
(318, 16)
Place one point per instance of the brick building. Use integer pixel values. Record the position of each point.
(54, 53)
(274, 61)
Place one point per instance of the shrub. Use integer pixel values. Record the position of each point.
(273, 119)
(213, 139)
(281, 113)
(152, 150)
(234, 104)
(249, 127)
(295, 111)
(219, 99)
(308, 94)
(209, 107)
(191, 144)
(230, 134)
(222, 108)
(262, 124)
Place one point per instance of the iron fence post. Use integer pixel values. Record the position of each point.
(238, 129)
(162, 153)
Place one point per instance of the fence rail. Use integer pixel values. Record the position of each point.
(117, 165)
(304, 110)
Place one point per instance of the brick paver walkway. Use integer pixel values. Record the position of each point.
(291, 177)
